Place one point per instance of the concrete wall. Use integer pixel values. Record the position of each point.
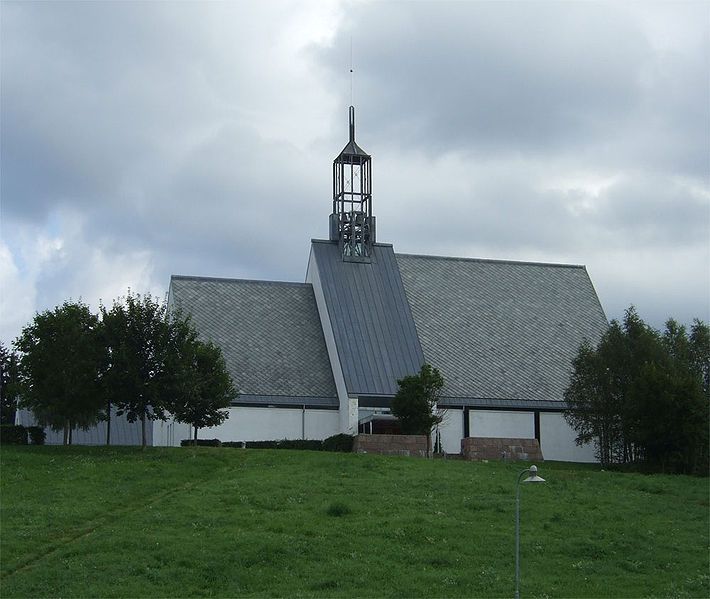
(122, 431)
(451, 431)
(170, 433)
(497, 423)
(257, 424)
(557, 440)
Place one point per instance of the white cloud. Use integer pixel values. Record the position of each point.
(17, 296)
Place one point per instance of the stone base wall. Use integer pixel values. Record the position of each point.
(497, 448)
(409, 445)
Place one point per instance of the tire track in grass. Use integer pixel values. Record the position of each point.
(103, 520)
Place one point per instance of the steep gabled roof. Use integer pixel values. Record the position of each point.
(372, 324)
(501, 330)
(269, 333)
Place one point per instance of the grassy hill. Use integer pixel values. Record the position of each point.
(120, 522)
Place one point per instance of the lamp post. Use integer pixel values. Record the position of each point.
(532, 478)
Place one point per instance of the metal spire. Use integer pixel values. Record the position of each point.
(352, 124)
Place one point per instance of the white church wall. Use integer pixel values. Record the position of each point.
(321, 424)
(451, 431)
(557, 440)
(169, 433)
(256, 424)
(498, 423)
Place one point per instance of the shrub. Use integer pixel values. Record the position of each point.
(334, 443)
(262, 444)
(307, 444)
(201, 443)
(13, 434)
(37, 435)
(341, 442)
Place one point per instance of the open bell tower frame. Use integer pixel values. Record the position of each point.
(352, 223)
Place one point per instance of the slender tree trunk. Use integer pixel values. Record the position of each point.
(66, 432)
(71, 430)
(108, 423)
(143, 430)
(195, 440)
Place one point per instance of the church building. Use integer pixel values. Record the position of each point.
(315, 358)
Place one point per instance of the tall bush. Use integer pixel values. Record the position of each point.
(416, 403)
(642, 396)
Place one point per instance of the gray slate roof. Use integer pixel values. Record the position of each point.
(500, 330)
(372, 324)
(269, 333)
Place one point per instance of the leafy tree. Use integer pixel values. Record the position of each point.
(60, 368)
(700, 353)
(204, 388)
(591, 401)
(639, 395)
(415, 404)
(138, 339)
(9, 376)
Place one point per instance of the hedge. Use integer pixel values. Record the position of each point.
(201, 443)
(339, 442)
(13, 434)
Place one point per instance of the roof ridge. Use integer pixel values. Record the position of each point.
(376, 244)
(233, 280)
(492, 261)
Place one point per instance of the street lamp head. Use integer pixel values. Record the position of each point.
(534, 478)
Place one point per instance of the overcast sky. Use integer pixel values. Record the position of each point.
(141, 140)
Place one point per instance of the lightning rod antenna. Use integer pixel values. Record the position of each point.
(352, 75)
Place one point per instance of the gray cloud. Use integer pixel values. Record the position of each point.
(528, 78)
(145, 139)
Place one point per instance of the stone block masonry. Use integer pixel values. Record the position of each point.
(499, 448)
(408, 445)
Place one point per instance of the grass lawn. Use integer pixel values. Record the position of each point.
(121, 522)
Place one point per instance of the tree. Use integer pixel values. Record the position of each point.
(591, 401)
(204, 386)
(60, 368)
(639, 395)
(138, 380)
(415, 404)
(700, 353)
(9, 378)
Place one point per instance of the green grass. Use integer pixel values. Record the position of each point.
(120, 522)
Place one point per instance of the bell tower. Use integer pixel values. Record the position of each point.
(352, 223)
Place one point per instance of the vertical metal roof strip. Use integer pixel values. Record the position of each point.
(368, 343)
(371, 311)
(337, 298)
(364, 288)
